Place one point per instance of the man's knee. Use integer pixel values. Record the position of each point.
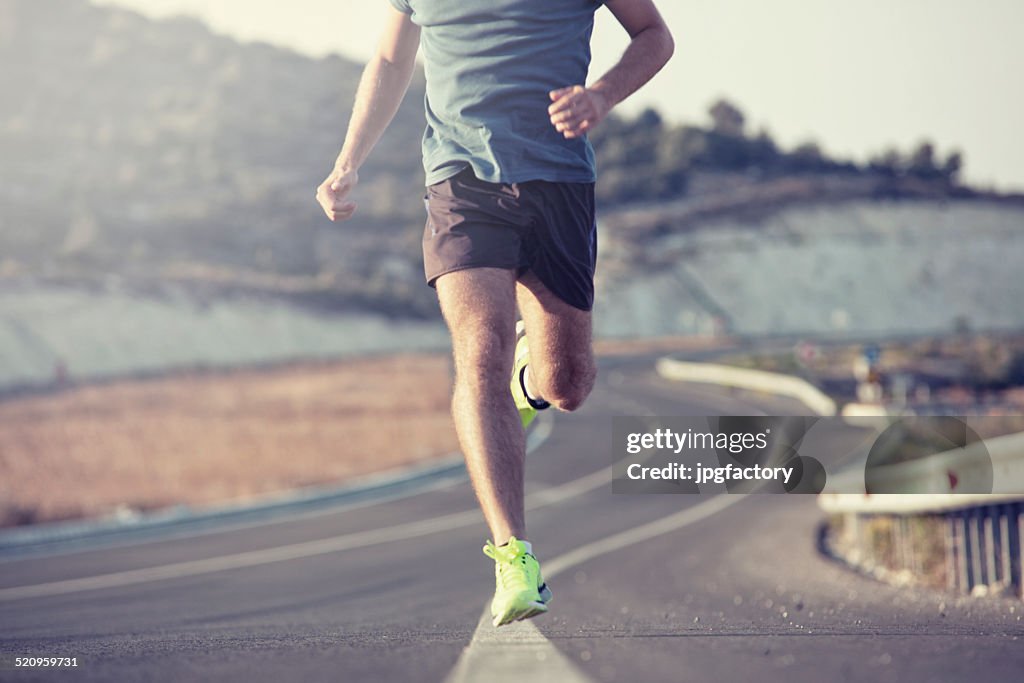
(482, 354)
(568, 386)
(479, 306)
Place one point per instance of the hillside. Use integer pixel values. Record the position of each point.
(860, 267)
(155, 150)
(156, 157)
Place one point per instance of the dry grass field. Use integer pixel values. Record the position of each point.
(211, 437)
(219, 436)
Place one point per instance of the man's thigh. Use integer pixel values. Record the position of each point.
(560, 334)
(479, 305)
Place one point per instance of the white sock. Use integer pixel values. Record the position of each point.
(526, 544)
(526, 386)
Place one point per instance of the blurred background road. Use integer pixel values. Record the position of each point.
(734, 593)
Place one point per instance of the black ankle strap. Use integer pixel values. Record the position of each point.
(536, 405)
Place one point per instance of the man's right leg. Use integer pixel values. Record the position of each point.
(479, 306)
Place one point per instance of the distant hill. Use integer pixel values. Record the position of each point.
(157, 149)
(149, 154)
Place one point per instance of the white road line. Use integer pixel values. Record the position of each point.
(519, 651)
(534, 440)
(361, 539)
(640, 533)
(538, 499)
(253, 558)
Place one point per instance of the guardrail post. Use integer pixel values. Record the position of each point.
(971, 551)
(866, 546)
(989, 517)
(908, 543)
(1003, 529)
(896, 539)
(964, 548)
(952, 552)
(1016, 547)
(980, 554)
(851, 526)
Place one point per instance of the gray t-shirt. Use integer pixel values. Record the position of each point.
(490, 65)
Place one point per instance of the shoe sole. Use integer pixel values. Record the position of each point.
(531, 610)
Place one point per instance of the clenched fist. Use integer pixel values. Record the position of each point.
(333, 194)
(576, 110)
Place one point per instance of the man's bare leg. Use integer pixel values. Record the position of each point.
(480, 308)
(561, 369)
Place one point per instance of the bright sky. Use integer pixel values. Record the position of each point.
(855, 76)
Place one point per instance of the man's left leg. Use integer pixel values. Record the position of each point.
(561, 369)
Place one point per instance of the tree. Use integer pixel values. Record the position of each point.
(889, 162)
(922, 161)
(726, 118)
(649, 119)
(807, 156)
(764, 153)
(726, 152)
(682, 147)
(953, 165)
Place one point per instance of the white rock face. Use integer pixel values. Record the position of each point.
(859, 268)
(108, 334)
(856, 268)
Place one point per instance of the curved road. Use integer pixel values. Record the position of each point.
(647, 588)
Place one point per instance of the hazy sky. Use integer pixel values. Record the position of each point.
(855, 76)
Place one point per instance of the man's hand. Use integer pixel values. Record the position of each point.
(576, 110)
(333, 194)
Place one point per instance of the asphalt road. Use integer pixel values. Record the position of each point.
(647, 587)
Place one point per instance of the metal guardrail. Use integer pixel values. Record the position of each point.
(977, 537)
(937, 483)
(753, 380)
(973, 551)
(981, 534)
(983, 548)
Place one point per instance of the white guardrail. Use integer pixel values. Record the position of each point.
(980, 535)
(753, 380)
(983, 534)
(932, 484)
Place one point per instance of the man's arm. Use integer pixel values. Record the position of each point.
(576, 109)
(381, 89)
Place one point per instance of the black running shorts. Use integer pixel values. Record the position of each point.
(540, 226)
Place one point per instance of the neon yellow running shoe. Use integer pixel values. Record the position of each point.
(520, 591)
(527, 407)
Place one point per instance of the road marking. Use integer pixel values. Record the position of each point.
(641, 533)
(253, 558)
(399, 532)
(519, 651)
(361, 539)
(536, 437)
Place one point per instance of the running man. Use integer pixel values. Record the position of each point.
(510, 218)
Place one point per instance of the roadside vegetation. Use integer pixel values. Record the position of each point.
(967, 373)
(200, 438)
(647, 159)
